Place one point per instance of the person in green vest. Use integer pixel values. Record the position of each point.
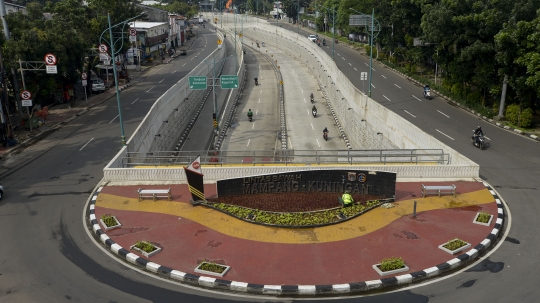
(347, 199)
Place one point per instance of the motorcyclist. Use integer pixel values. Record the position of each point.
(325, 132)
(314, 110)
(250, 114)
(324, 41)
(256, 81)
(426, 88)
(477, 133)
(311, 97)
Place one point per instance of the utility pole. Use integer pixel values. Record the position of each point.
(13, 73)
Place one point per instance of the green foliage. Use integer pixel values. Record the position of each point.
(512, 113)
(391, 264)
(474, 97)
(296, 219)
(483, 217)
(145, 246)
(526, 118)
(454, 244)
(109, 220)
(212, 267)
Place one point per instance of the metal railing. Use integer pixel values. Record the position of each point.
(288, 157)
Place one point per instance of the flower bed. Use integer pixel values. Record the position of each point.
(295, 219)
(390, 266)
(454, 246)
(214, 269)
(145, 248)
(483, 218)
(109, 222)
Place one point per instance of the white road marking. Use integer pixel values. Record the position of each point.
(338, 54)
(86, 144)
(409, 113)
(386, 97)
(397, 85)
(373, 69)
(384, 77)
(259, 100)
(318, 142)
(256, 112)
(248, 143)
(350, 64)
(253, 126)
(444, 134)
(173, 72)
(308, 112)
(487, 138)
(443, 114)
(304, 100)
(366, 64)
(149, 89)
(355, 69)
(183, 64)
(155, 71)
(416, 98)
(343, 58)
(312, 126)
(114, 118)
(260, 92)
(161, 80)
(135, 101)
(373, 85)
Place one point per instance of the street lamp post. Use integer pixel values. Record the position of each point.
(333, 10)
(113, 54)
(372, 37)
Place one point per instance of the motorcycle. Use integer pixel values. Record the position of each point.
(312, 99)
(263, 44)
(325, 136)
(427, 94)
(324, 42)
(244, 51)
(250, 118)
(314, 112)
(481, 141)
(256, 81)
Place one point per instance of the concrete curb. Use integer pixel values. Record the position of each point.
(296, 290)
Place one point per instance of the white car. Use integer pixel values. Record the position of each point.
(313, 38)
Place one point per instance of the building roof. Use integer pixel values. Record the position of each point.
(145, 25)
(150, 2)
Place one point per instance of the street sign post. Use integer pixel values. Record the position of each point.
(26, 100)
(229, 81)
(103, 48)
(197, 82)
(50, 62)
(84, 76)
(363, 77)
(132, 35)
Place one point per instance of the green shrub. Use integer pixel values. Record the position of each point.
(456, 90)
(483, 217)
(212, 267)
(109, 220)
(391, 264)
(512, 113)
(495, 109)
(454, 244)
(526, 118)
(474, 98)
(145, 246)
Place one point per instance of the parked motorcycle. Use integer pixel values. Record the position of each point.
(479, 142)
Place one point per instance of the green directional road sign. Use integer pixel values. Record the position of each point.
(198, 82)
(230, 81)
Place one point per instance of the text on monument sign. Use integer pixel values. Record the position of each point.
(198, 82)
(229, 81)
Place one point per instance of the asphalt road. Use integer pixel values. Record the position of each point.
(47, 256)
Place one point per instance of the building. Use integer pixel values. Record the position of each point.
(13, 8)
(178, 27)
(153, 14)
(152, 40)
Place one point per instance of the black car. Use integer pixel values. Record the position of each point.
(183, 52)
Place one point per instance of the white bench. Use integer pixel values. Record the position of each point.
(154, 194)
(437, 189)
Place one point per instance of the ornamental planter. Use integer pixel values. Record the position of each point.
(144, 253)
(455, 251)
(106, 227)
(482, 223)
(223, 269)
(389, 272)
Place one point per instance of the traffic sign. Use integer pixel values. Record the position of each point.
(26, 95)
(363, 76)
(84, 76)
(240, 35)
(51, 69)
(219, 41)
(215, 123)
(103, 48)
(26, 102)
(50, 59)
(229, 81)
(198, 82)
(132, 32)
